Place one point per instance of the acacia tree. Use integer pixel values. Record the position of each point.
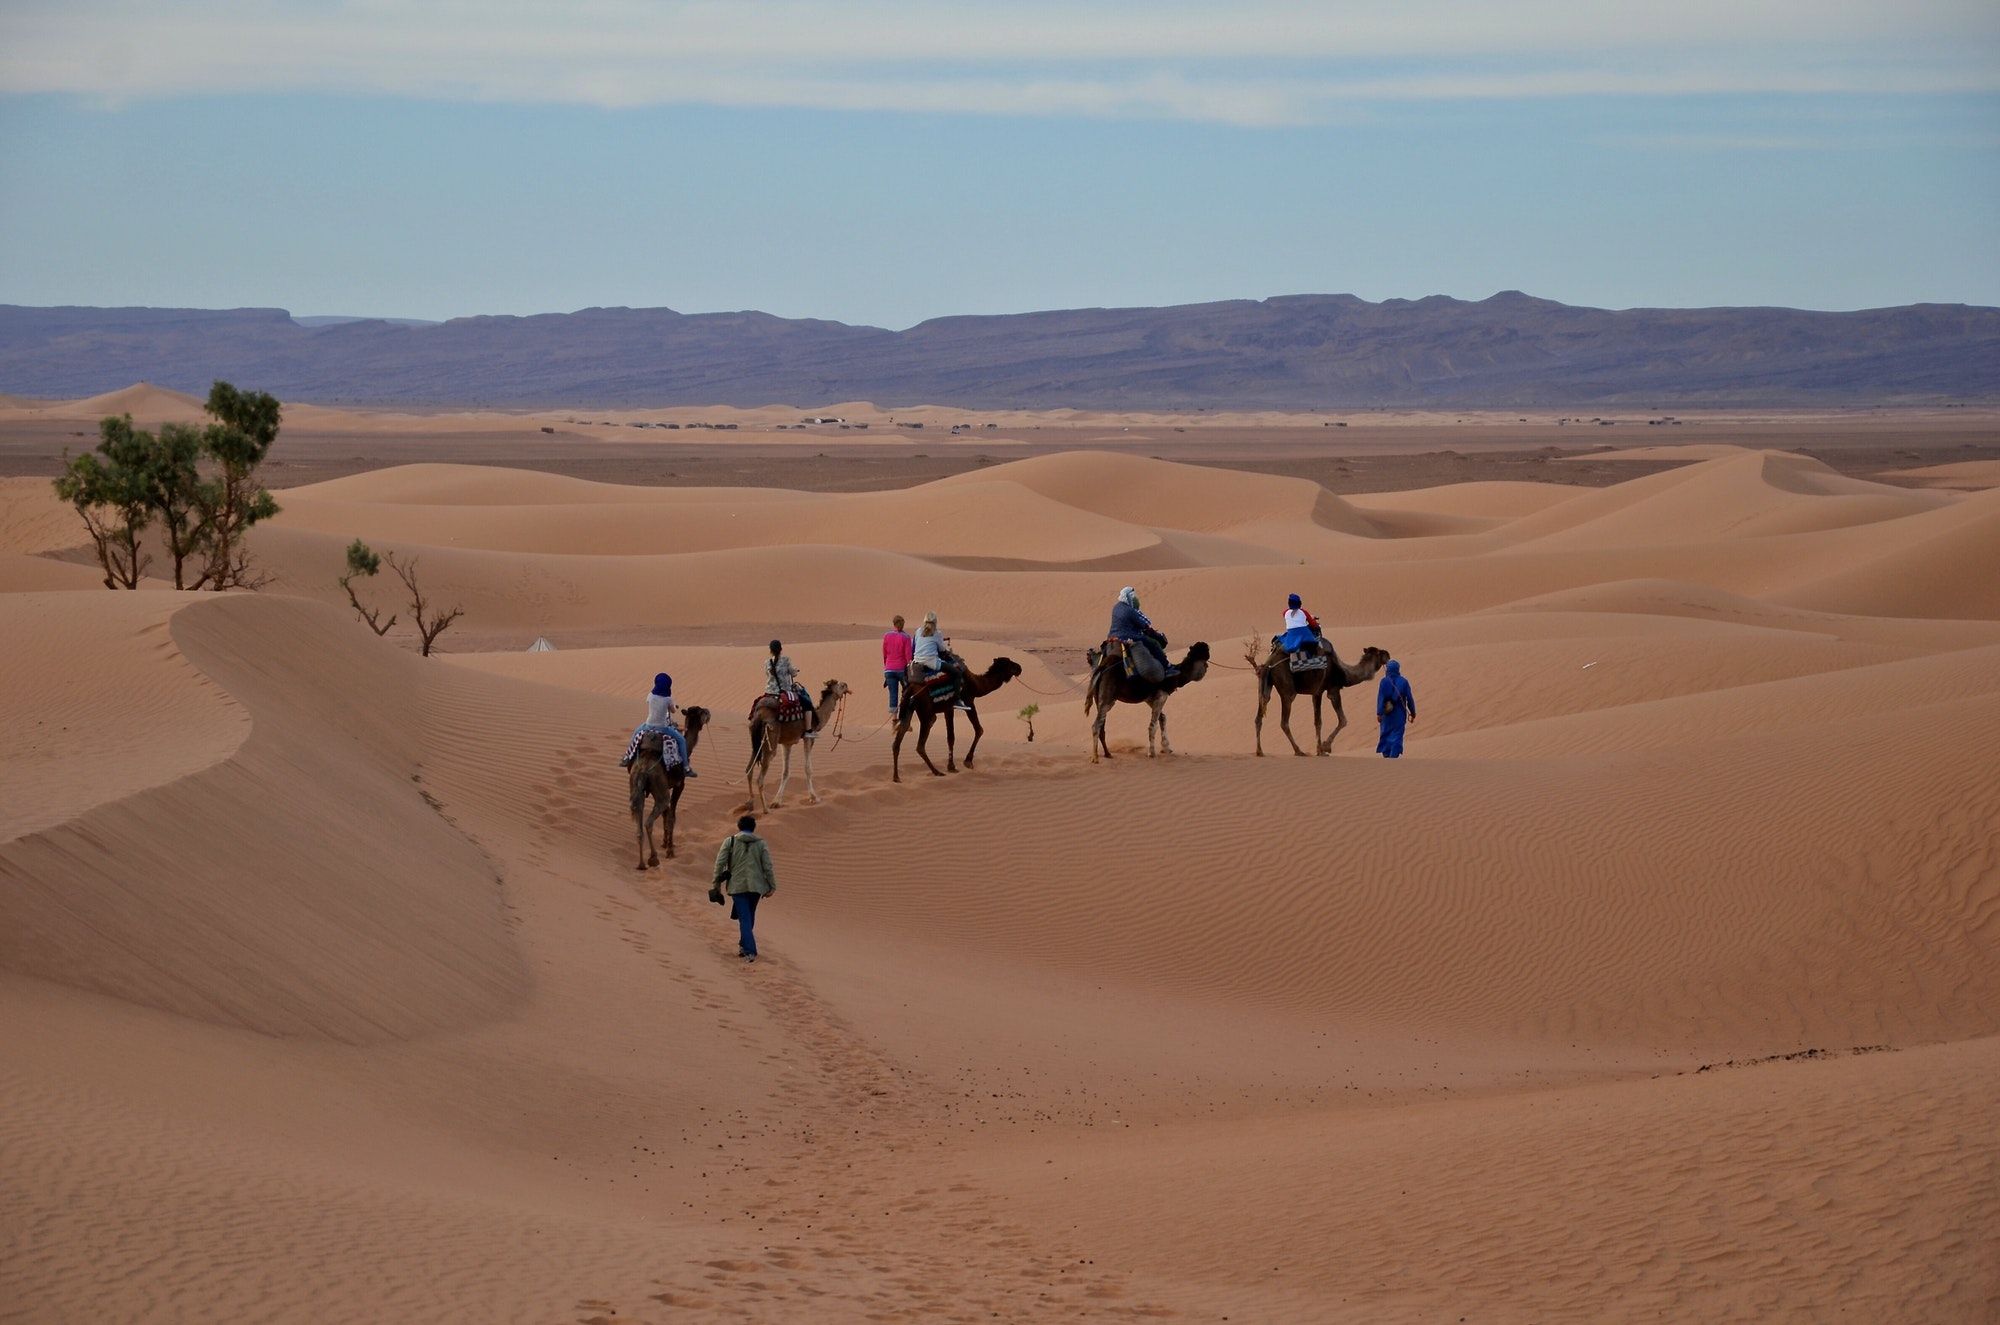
(175, 494)
(246, 423)
(111, 489)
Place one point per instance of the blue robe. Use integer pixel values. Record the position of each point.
(1396, 705)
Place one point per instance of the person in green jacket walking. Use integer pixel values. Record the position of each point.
(743, 866)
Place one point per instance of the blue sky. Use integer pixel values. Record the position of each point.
(887, 162)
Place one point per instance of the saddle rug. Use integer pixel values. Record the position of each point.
(790, 707)
(1314, 664)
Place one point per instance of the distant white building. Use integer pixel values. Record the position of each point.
(541, 645)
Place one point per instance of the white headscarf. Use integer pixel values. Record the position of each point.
(1129, 596)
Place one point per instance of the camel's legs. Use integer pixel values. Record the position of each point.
(1159, 703)
(950, 741)
(784, 778)
(672, 813)
(812, 796)
(1339, 721)
(1264, 686)
(1285, 699)
(926, 721)
(972, 716)
(896, 747)
(1319, 745)
(1097, 741)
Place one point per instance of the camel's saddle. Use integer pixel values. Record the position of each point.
(1134, 657)
(655, 746)
(791, 708)
(1312, 658)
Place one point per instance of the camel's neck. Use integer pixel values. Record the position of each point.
(1354, 674)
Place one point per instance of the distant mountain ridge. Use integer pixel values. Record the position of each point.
(1300, 352)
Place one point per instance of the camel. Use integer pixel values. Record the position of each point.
(917, 703)
(1109, 685)
(1275, 673)
(650, 778)
(766, 731)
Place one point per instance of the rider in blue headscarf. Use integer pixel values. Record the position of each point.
(1299, 634)
(1396, 707)
(662, 716)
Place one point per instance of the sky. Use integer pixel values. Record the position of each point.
(887, 161)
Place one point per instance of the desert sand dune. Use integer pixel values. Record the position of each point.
(1969, 474)
(147, 404)
(1658, 979)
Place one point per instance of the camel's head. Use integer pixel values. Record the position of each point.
(1195, 665)
(697, 718)
(832, 693)
(1003, 670)
(1373, 660)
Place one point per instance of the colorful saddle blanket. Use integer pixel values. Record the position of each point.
(657, 745)
(1303, 662)
(790, 707)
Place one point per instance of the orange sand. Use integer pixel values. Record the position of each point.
(1658, 981)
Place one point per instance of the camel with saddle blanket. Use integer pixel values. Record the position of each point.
(781, 722)
(657, 772)
(941, 695)
(1129, 672)
(1315, 670)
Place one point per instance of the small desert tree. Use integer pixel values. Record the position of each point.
(111, 489)
(431, 621)
(246, 423)
(1027, 715)
(363, 562)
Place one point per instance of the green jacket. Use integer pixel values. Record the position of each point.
(748, 861)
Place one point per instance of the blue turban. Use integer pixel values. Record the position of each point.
(663, 684)
(1293, 601)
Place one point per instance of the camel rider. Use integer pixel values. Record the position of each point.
(663, 716)
(782, 679)
(929, 656)
(1301, 638)
(1129, 625)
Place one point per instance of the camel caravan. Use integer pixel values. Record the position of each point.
(927, 682)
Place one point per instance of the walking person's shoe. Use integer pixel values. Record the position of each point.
(749, 956)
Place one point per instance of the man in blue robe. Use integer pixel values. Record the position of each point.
(1397, 709)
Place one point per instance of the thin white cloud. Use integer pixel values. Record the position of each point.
(1255, 62)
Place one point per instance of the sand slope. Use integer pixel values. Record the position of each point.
(1659, 980)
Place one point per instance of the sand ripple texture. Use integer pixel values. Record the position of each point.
(1659, 980)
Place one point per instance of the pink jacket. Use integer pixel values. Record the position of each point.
(897, 650)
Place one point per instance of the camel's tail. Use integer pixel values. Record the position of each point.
(756, 744)
(640, 783)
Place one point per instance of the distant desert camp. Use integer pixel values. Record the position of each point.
(1657, 978)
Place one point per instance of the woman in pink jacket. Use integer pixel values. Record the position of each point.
(897, 650)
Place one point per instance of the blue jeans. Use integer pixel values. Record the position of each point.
(894, 680)
(743, 910)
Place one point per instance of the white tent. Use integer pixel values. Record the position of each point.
(541, 645)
